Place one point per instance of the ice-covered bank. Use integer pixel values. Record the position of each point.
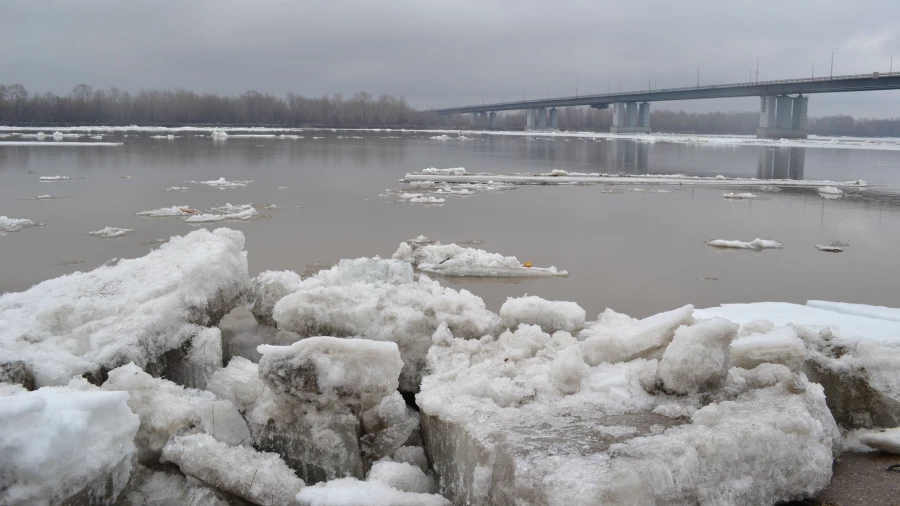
(380, 386)
(146, 310)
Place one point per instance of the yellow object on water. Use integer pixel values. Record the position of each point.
(527, 264)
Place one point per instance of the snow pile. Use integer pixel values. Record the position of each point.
(222, 183)
(887, 440)
(259, 477)
(167, 409)
(14, 224)
(739, 196)
(352, 492)
(756, 244)
(267, 289)
(524, 418)
(454, 171)
(381, 310)
(550, 315)
(453, 260)
(227, 212)
(134, 311)
(111, 232)
(65, 445)
(328, 370)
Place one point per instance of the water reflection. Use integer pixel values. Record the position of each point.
(627, 156)
(781, 163)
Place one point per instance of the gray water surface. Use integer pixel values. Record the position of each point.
(635, 252)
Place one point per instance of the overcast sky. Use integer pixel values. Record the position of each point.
(458, 51)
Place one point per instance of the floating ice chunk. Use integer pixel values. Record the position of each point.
(550, 315)
(453, 260)
(697, 357)
(97, 137)
(111, 232)
(756, 244)
(169, 211)
(330, 370)
(65, 445)
(779, 346)
(136, 310)
(455, 171)
(14, 224)
(886, 440)
(169, 137)
(829, 248)
(650, 190)
(424, 199)
(413, 455)
(259, 477)
(218, 135)
(865, 310)
(401, 476)
(830, 192)
(178, 189)
(228, 212)
(222, 183)
(367, 270)
(57, 136)
(739, 196)
(50, 179)
(267, 289)
(442, 137)
(352, 492)
(556, 172)
(616, 337)
(166, 409)
(238, 382)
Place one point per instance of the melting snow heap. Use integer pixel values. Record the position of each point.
(113, 391)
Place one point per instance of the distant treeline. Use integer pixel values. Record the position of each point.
(86, 106)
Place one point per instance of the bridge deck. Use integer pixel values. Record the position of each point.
(862, 82)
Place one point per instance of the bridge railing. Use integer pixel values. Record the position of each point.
(686, 88)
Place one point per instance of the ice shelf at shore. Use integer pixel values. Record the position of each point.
(535, 405)
(675, 179)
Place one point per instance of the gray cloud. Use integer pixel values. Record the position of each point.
(442, 52)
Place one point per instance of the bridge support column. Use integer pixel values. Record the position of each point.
(493, 119)
(530, 119)
(783, 117)
(542, 119)
(554, 123)
(628, 117)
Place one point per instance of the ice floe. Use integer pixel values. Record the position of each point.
(177, 189)
(830, 192)
(111, 232)
(740, 196)
(8, 224)
(829, 248)
(87, 323)
(453, 260)
(60, 144)
(227, 212)
(756, 244)
(222, 183)
(455, 171)
(164, 212)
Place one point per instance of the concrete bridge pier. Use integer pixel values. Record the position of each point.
(493, 119)
(530, 119)
(542, 119)
(630, 117)
(554, 116)
(783, 117)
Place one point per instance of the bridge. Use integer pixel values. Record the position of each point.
(780, 114)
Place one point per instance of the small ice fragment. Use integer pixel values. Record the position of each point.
(739, 196)
(756, 244)
(111, 232)
(14, 224)
(829, 248)
(178, 189)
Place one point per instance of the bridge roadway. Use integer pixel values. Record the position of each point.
(862, 82)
